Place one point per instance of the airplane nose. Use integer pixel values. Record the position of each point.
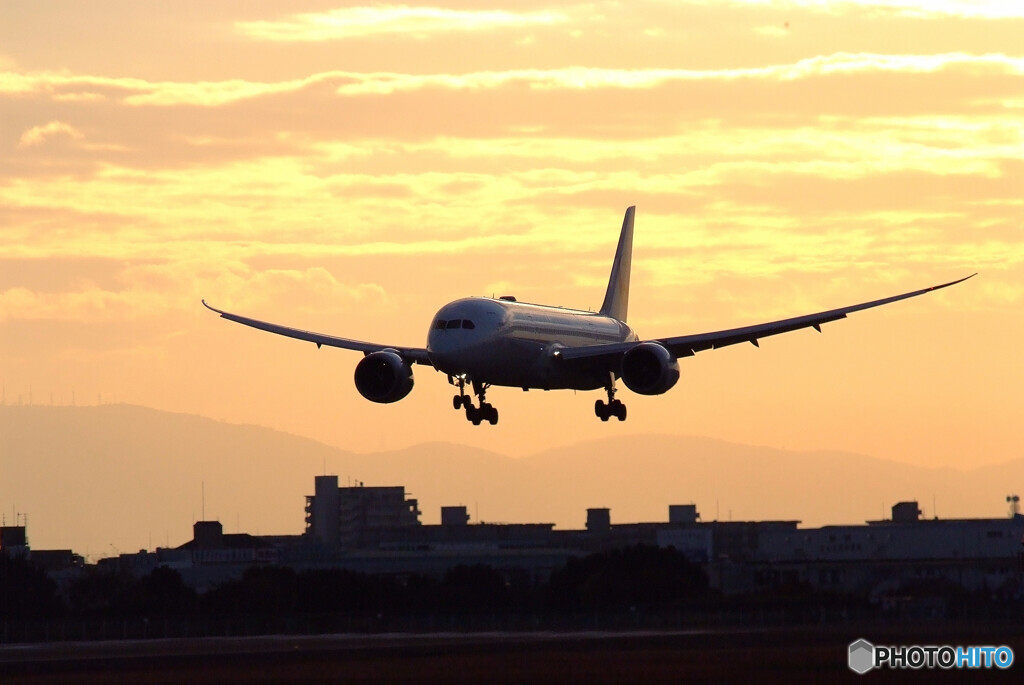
(441, 348)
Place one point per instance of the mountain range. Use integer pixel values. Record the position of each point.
(117, 478)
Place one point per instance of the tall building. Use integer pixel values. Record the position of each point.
(322, 514)
(351, 517)
(14, 541)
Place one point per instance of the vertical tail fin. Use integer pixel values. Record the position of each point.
(616, 298)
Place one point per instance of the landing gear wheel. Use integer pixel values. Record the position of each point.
(613, 407)
(476, 415)
(618, 410)
(461, 400)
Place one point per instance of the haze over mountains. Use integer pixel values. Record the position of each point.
(117, 478)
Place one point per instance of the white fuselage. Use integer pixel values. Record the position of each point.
(513, 343)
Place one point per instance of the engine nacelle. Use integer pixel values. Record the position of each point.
(383, 376)
(649, 369)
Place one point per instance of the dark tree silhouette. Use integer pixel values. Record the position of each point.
(638, 576)
(26, 591)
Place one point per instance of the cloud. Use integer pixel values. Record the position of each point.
(314, 287)
(362, 22)
(1003, 290)
(589, 78)
(772, 31)
(964, 9)
(142, 93)
(40, 134)
(68, 86)
(90, 304)
(156, 291)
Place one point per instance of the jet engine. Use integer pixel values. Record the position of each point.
(383, 376)
(649, 369)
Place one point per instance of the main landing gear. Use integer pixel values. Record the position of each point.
(612, 408)
(485, 412)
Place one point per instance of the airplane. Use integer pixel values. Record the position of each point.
(483, 342)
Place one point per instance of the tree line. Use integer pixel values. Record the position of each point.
(631, 585)
(621, 579)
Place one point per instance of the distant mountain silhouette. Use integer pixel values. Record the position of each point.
(120, 477)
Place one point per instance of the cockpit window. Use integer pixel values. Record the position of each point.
(442, 324)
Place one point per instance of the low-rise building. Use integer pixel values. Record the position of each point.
(377, 530)
(886, 557)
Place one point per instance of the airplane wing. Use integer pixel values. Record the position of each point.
(688, 345)
(412, 354)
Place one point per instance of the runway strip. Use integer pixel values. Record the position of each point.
(764, 656)
(271, 644)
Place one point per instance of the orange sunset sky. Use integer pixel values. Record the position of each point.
(351, 168)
